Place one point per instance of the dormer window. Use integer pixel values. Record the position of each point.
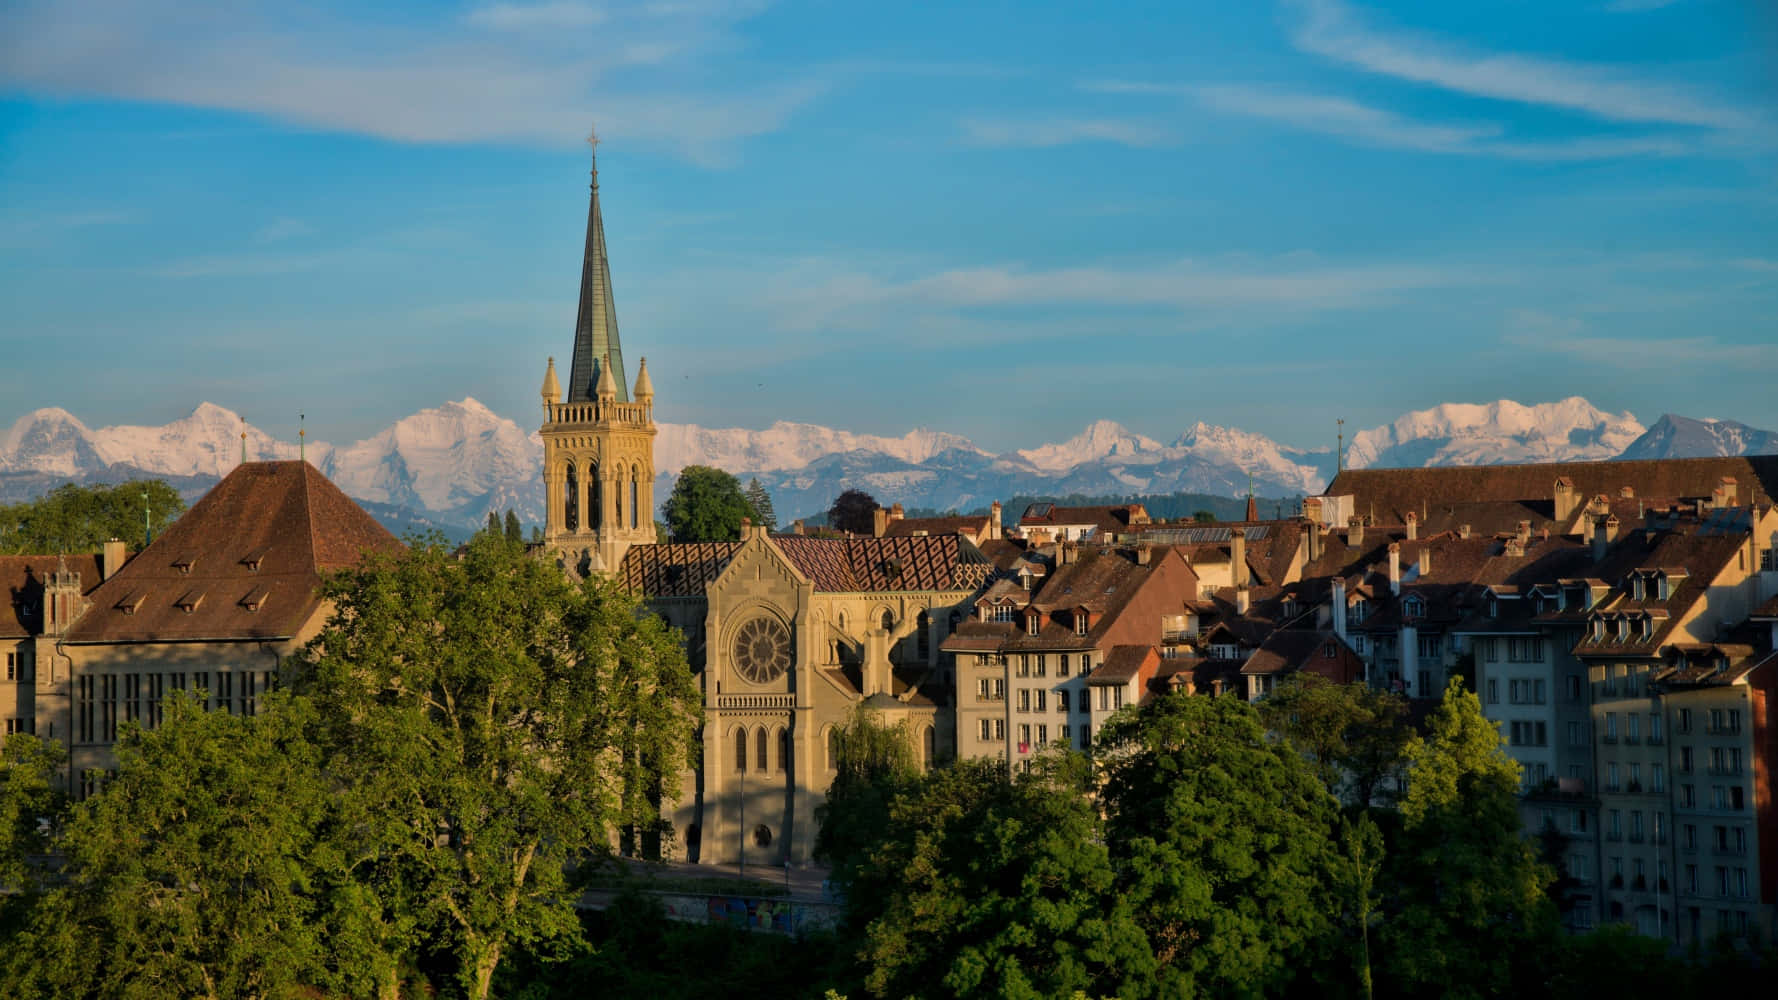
(1493, 606)
(130, 602)
(1666, 588)
(184, 563)
(1646, 627)
(1636, 587)
(1598, 630)
(1080, 622)
(252, 559)
(1413, 607)
(1623, 629)
(1033, 622)
(255, 598)
(1357, 611)
(189, 601)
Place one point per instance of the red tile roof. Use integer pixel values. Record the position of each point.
(23, 578)
(243, 563)
(834, 565)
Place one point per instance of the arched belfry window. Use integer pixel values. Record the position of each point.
(635, 507)
(930, 747)
(617, 497)
(833, 749)
(571, 500)
(593, 497)
(888, 620)
(740, 749)
(759, 739)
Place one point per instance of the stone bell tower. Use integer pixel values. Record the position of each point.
(598, 442)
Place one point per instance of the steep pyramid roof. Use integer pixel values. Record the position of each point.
(595, 328)
(243, 563)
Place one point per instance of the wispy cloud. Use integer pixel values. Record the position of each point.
(279, 230)
(530, 74)
(1328, 28)
(1365, 124)
(1042, 133)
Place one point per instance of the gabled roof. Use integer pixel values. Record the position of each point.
(835, 565)
(1122, 664)
(1290, 650)
(244, 562)
(1109, 518)
(21, 585)
(973, 526)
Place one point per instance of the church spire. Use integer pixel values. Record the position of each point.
(595, 329)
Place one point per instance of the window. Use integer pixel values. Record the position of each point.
(923, 636)
(1042, 702)
(1685, 759)
(1000, 729)
(1062, 669)
(1043, 734)
(1042, 665)
(1429, 645)
(1002, 613)
(1577, 735)
(1491, 650)
(1684, 721)
(1024, 666)
(1577, 821)
(1061, 701)
(1616, 828)
(1611, 727)
(1611, 782)
(1493, 691)
(999, 689)
(1573, 687)
(987, 730)
(1424, 680)
(1524, 649)
(1080, 623)
(1024, 699)
(1690, 842)
(1024, 737)
(1688, 797)
(1658, 778)
(1086, 698)
(784, 751)
(981, 689)
(1632, 728)
(759, 744)
(1085, 737)
(1032, 622)
(741, 750)
(1654, 727)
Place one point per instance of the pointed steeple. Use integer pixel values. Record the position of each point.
(552, 389)
(608, 386)
(644, 384)
(1252, 506)
(595, 329)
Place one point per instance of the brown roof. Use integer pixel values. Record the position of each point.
(244, 562)
(23, 578)
(1121, 664)
(909, 526)
(1703, 557)
(1109, 519)
(834, 565)
(1394, 492)
(1290, 650)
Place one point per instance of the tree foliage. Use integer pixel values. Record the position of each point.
(706, 505)
(1001, 887)
(515, 535)
(1221, 838)
(1466, 886)
(761, 502)
(1355, 736)
(498, 724)
(73, 518)
(854, 511)
(200, 871)
(29, 806)
(874, 763)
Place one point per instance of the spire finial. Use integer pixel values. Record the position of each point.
(302, 438)
(243, 440)
(592, 142)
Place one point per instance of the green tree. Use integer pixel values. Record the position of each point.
(1221, 838)
(706, 506)
(29, 809)
(1354, 735)
(854, 511)
(198, 871)
(72, 518)
(1468, 891)
(502, 723)
(873, 764)
(1204, 517)
(998, 886)
(494, 526)
(515, 535)
(761, 502)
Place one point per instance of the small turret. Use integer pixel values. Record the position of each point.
(607, 384)
(552, 389)
(644, 384)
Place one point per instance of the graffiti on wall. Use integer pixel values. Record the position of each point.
(780, 916)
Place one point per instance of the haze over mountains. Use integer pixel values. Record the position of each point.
(449, 465)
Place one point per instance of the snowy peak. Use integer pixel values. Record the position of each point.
(1568, 430)
(786, 445)
(446, 458)
(50, 441)
(1674, 436)
(206, 443)
(1102, 439)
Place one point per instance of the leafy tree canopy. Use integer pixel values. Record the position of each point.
(1221, 839)
(761, 502)
(706, 506)
(854, 511)
(73, 518)
(1000, 886)
(1354, 735)
(874, 763)
(498, 723)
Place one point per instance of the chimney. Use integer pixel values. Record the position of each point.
(1599, 541)
(111, 559)
(1413, 526)
(1395, 568)
(896, 513)
(1243, 600)
(1424, 561)
(994, 519)
(797, 527)
(1566, 499)
(1463, 531)
(1339, 607)
(879, 522)
(1144, 555)
(1312, 509)
(1626, 492)
(1524, 532)
(1611, 526)
(1238, 557)
(1355, 531)
(1313, 534)
(1725, 493)
(1064, 553)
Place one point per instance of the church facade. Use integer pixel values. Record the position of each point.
(787, 633)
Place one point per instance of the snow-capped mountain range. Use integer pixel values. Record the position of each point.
(449, 465)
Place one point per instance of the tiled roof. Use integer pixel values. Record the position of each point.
(23, 577)
(834, 565)
(1703, 558)
(243, 563)
(909, 526)
(1394, 492)
(1108, 519)
(1121, 664)
(1293, 649)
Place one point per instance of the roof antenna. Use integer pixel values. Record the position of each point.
(302, 439)
(147, 525)
(243, 440)
(1340, 453)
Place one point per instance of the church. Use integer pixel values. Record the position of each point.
(787, 633)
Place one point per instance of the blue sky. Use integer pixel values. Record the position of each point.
(999, 220)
